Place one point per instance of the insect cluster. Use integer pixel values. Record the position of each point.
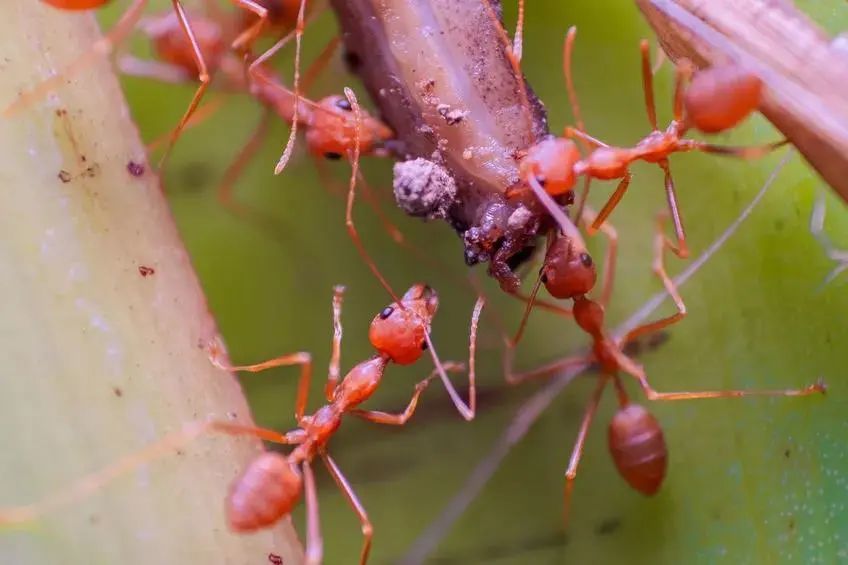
(471, 146)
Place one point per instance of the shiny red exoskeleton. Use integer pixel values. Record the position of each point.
(272, 485)
(715, 100)
(635, 438)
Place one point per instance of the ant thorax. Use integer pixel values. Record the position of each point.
(472, 116)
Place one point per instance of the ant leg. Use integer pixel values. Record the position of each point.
(577, 450)
(661, 58)
(611, 203)
(511, 343)
(681, 250)
(351, 196)
(585, 137)
(314, 544)
(543, 304)
(472, 354)
(101, 48)
(817, 229)
(586, 140)
(682, 72)
(509, 51)
(320, 63)
(661, 243)
(130, 65)
(565, 224)
(353, 500)
(301, 358)
(333, 373)
(611, 257)
(567, 51)
(545, 370)
(236, 168)
(202, 76)
(751, 152)
(373, 201)
(648, 84)
(518, 38)
(89, 484)
(247, 38)
(379, 417)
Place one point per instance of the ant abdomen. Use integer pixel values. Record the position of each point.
(638, 448)
(721, 97)
(267, 490)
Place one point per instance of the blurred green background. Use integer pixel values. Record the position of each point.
(749, 481)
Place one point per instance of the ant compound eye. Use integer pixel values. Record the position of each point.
(332, 156)
(544, 278)
(586, 259)
(424, 345)
(343, 104)
(387, 311)
(541, 180)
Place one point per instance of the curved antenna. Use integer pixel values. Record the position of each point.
(514, 62)
(567, 57)
(518, 37)
(284, 158)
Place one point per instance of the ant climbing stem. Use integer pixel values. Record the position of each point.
(838, 256)
(272, 484)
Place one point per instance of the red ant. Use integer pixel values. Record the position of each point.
(273, 14)
(272, 484)
(635, 438)
(715, 100)
(335, 127)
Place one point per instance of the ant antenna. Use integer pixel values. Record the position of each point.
(298, 35)
(518, 38)
(567, 52)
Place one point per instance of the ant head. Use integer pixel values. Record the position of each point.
(333, 128)
(551, 163)
(568, 271)
(398, 332)
(172, 46)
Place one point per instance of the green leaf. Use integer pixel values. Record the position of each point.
(752, 480)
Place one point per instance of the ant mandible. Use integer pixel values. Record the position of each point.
(715, 100)
(272, 484)
(635, 438)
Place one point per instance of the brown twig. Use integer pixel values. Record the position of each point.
(804, 71)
